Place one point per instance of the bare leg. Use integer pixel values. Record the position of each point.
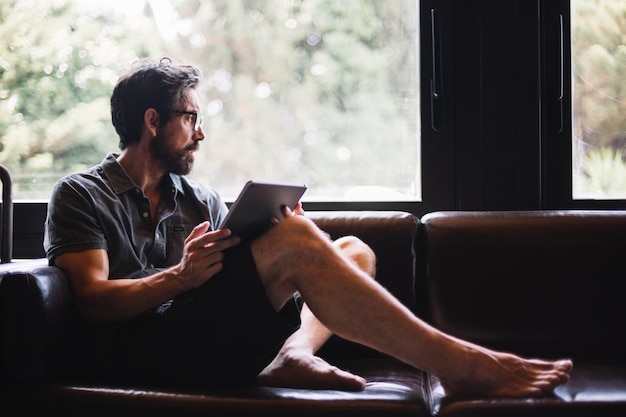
(296, 365)
(295, 255)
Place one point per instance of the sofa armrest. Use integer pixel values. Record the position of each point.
(38, 324)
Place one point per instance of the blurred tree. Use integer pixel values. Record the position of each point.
(600, 70)
(58, 63)
(599, 99)
(321, 92)
(316, 91)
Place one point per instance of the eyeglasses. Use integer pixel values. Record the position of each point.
(196, 118)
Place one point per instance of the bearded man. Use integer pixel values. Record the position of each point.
(170, 298)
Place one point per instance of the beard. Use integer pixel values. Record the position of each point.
(174, 161)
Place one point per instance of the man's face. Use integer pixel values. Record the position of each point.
(175, 143)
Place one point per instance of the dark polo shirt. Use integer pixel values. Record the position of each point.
(102, 208)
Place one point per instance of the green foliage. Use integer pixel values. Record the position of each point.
(316, 91)
(604, 175)
(58, 62)
(599, 100)
(599, 71)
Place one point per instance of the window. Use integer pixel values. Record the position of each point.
(321, 92)
(599, 99)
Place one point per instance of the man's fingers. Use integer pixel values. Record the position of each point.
(299, 209)
(198, 231)
(287, 211)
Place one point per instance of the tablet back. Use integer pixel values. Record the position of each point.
(251, 213)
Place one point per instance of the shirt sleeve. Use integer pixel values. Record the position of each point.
(72, 224)
(217, 208)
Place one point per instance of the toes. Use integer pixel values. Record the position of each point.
(565, 365)
(354, 383)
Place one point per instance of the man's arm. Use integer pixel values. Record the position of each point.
(101, 299)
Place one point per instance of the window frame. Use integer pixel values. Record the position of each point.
(491, 102)
(557, 112)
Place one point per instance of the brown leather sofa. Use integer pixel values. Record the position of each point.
(547, 284)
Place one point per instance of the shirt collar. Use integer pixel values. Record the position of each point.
(121, 182)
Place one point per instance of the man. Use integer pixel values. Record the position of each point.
(173, 299)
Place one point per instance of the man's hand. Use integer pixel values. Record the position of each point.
(298, 209)
(288, 212)
(203, 254)
(101, 299)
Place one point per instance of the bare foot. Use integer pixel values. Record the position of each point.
(293, 369)
(505, 375)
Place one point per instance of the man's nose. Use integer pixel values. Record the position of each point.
(199, 134)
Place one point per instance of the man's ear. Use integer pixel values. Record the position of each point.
(151, 121)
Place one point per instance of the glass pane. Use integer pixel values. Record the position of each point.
(321, 92)
(599, 99)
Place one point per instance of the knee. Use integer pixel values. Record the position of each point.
(299, 232)
(358, 252)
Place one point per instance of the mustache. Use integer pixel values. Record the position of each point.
(193, 147)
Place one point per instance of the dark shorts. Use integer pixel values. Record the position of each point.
(220, 334)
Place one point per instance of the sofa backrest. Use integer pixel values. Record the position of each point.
(548, 283)
(42, 335)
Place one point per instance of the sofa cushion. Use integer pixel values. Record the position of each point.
(595, 389)
(393, 389)
(550, 283)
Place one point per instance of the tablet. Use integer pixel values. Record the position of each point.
(251, 213)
